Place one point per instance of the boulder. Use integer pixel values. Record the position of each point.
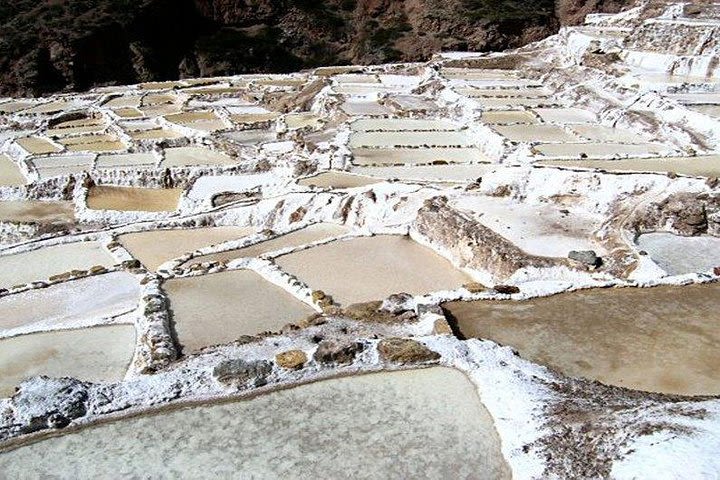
(239, 373)
(586, 257)
(506, 289)
(292, 359)
(405, 350)
(475, 287)
(335, 352)
(398, 303)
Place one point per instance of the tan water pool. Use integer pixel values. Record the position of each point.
(394, 156)
(93, 354)
(394, 263)
(219, 308)
(10, 174)
(35, 211)
(600, 149)
(704, 166)
(156, 247)
(661, 339)
(107, 197)
(413, 424)
(313, 233)
(38, 145)
(410, 138)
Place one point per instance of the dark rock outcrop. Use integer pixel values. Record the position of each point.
(48, 46)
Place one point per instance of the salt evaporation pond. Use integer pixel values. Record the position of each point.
(35, 211)
(661, 339)
(105, 197)
(429, 173)
(45, 262)
(313, 233)
(677, 255)
(91, 354)
(219, 308)
(394, 263)
(188, 156)
(702, 166)
(413, 424)
(10, 174)
(337, 179)
(84, 299)
(153, 248)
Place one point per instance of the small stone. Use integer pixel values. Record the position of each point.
(506, 289)
(405, 350)
(238, 373)
(588, 257)
(397, 303)
(442, 327)
(318, 295)
(716, 271)
(131, 264)
(298, 215)
(334, 352)
(424, 308)
(96, 269)
(292, 359)
(474, 287)
(58, 420)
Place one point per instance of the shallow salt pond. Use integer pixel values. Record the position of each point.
(88, 298)
(188, 156)
(401, 124)
(154, 134)
(35, 211)
(92, 354)
(38, 145)
(310, 234)
(132, 160)
(42, 263)
(337, 179)
(221, 307)
(703, 166)
(661, 339)
(10, 174)
(106, 197)
(93, 143)
(535, 133)
(566, 115)
(393, 156)
(428, 173)
(153, 248)
(602, 133)
(370, 108)
(426, 423)
(394, 263)
(510, 116)
(678, 255)
(410, 138)
(600, 149)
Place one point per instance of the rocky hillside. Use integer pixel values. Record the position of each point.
(53, 45)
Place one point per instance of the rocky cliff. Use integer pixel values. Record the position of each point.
(55, 45)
